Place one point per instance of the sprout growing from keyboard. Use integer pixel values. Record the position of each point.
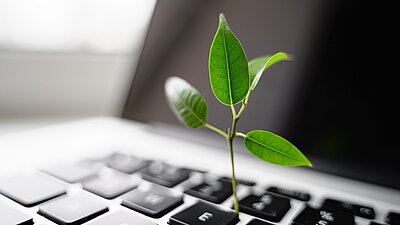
(232, 80)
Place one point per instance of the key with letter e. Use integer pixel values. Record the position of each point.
(204, 214)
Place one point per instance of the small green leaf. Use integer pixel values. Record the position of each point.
(228, 67)
(274, 149)
(186, 102)
(258, 65)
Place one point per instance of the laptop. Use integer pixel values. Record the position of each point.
(335, 102)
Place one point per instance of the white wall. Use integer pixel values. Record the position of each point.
(63, 85)
(70, 59)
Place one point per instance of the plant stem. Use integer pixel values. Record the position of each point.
(211, 127)
(244, 105)
(240, 134)
(234, 181)
(233, 110)
(230, 139)
(231, 136)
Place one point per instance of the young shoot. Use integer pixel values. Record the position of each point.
(232, 79)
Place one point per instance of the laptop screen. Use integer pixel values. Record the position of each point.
(335, 101)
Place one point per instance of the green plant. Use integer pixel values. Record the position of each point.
(232, 80)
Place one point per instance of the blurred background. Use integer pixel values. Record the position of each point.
(62, 60)
(67, 59)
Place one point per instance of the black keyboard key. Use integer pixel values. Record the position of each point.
(111, 184)
(71, 210)
(267, 206)
(240, 181)
(9, 215)
(258, 222)
(204, 214)
(74, 173)
(31, 190)
(121, 218)
(215, 191)
(299, 195)
(393, 218)
(164, 174)
(313, 216)
(152, 200)
(125, 163)
(347, 207)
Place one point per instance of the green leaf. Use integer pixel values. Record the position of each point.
(228, 67)
(258, 65)
(274, 149)
(186, 102)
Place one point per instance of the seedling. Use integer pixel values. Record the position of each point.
(232, 80)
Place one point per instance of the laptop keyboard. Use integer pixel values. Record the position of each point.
(147, 190)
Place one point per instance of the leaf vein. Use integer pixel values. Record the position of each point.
(273, 149)
(192, 112)
(227, 67)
